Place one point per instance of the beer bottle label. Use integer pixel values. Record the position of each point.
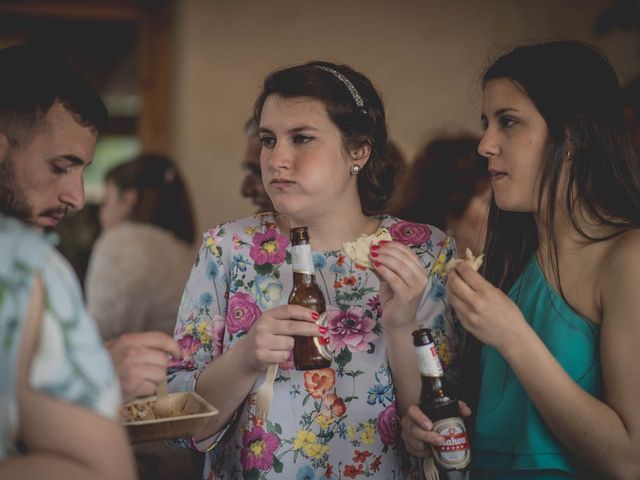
(428, 361)
(455, 453)
(302, 259)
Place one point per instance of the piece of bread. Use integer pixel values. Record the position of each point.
(471, 260)
(358, 250)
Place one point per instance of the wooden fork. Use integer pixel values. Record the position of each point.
(429, 468)
(162, 406)
(264, 394)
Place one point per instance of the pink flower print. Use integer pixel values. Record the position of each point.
(242, 312)
(269, 247)
(217, 334)
(388, 425)
(374, 304)
(258, 447)
(189, 344)
(410, 233)
(350, 329)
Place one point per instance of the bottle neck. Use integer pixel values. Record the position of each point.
(303, 278)
(428, 361)
(302, 260)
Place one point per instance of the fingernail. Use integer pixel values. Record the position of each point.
(377, 264)
(374, 247)
(323, 330)
(427, 425)
(383, 242)
(374, 254)
(315, 315)
(440, 441)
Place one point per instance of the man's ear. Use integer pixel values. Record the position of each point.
(130, 198)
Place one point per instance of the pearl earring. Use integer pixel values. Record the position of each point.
(356, 169)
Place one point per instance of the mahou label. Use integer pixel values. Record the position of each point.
(455, 453)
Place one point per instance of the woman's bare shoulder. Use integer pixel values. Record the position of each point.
(621, 266)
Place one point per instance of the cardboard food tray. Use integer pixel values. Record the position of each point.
(193, 412)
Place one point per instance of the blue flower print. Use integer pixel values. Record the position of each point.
(437, 292)
(379, 393)
(305, 473)
(319, 261)
(267, 291)
(338, 269)
(206, 299)
(240, 262)
(212, 270)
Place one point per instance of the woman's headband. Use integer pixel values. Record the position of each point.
(347, 83)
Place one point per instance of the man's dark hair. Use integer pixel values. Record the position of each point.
(32, 79)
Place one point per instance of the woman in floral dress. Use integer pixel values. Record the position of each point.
(323, 132)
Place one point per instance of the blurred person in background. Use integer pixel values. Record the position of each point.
(142, 259)
(448, 185)
(135, 279)
(59, 395)
(252, 186)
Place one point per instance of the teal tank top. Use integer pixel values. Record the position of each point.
(511, 440)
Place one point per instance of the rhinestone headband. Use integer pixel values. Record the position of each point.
(347, 83)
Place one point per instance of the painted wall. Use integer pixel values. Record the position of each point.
(425, 56)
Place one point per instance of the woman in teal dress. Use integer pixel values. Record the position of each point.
(557, 309)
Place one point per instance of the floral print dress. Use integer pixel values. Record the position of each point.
(333, 423)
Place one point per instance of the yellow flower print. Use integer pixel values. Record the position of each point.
(443, 354)
(189, 329)
(352, 432)
(367, 435)
(212, 246)
(205, 338)
(315, 450)
(201, 327)
(270, 247)
(303, 438)
(324, 419)
(249, 230)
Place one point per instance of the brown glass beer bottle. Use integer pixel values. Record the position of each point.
(308, 352)
(452, 459)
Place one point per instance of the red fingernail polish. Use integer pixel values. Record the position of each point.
(375, 247)
(315, 315)
(323, 330)
(377, 264)
(374, 254)
(383, 242)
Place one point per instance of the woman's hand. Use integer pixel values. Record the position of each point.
(484, 311)
(417, 432)
(402, 282)
(271, 337)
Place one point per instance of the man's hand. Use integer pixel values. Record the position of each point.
(141, 361)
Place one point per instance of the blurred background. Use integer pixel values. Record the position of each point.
(180, 77)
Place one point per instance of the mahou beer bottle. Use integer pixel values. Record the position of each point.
(308, 352)
(452, 459)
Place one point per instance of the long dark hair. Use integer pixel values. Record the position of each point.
(358, 125)
(163, 199)
(576, 91)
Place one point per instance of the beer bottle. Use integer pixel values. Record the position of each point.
(308, 352)
(453, 457)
